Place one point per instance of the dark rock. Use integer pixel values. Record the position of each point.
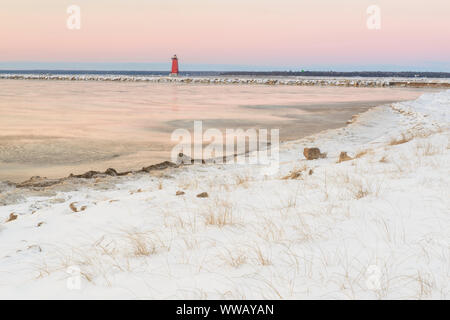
(313, 153)
(203, 195)
(344, 157)
(38, 182)
(12, 217)
(87, 175)
(73, 207)
(159, 166)
(124, 173)
(111, 172)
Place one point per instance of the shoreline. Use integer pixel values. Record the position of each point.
(37, 183)
(437, 83)
(42, 181)
(49, 150)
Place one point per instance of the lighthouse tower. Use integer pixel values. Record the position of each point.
(174, 66)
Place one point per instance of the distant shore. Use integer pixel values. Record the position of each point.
(334, 74)
(415, 82)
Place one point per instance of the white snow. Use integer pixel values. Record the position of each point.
(281, 80)
(373, 227)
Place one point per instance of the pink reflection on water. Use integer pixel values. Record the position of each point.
(54, 128)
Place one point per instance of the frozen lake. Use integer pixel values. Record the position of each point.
(54, 128)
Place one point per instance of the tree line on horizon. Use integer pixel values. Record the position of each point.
(401, 74)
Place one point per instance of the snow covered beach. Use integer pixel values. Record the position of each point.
(376, 226)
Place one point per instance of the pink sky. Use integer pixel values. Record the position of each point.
(245, 32)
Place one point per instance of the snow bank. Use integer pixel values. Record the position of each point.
(372, 227)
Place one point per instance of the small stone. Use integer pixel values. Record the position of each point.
(111, 172)
(73, 207)
(313, 153)
(179, 193)
(344, 157)
(12, 217)
(40, 223)
(203, 195)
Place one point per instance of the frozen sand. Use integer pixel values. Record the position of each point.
(374, 227)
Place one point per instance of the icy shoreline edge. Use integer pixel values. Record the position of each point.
(294, 81)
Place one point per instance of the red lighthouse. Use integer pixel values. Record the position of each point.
(174, 66)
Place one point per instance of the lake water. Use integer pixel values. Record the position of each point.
(54, 128)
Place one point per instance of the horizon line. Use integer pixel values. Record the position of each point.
(228, 71)
(436, 66)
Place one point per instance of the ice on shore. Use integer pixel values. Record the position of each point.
(295, 81)
(373, 227)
